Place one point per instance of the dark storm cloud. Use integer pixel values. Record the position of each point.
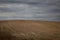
(5, 9)
(43, 2)
(32, 1)
(30, 9)
(54, 11)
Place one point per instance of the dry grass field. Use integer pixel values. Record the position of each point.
(29, 30)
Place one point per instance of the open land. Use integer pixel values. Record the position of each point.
(29, 30)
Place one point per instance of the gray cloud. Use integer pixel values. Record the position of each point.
(31, 10)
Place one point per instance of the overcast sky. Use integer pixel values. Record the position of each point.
(30, 10)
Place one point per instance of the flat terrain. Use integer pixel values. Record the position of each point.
(29, 30)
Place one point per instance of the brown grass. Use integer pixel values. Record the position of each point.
(29, 30)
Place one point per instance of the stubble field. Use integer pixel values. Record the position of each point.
(29, 30)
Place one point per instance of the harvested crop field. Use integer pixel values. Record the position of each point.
(29, 30)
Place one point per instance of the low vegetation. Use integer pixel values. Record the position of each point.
(29, 30)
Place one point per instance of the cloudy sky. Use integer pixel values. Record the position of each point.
(48, 10)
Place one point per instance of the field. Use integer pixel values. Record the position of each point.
(29, 30)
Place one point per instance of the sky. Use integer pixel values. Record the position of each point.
(48, 10)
